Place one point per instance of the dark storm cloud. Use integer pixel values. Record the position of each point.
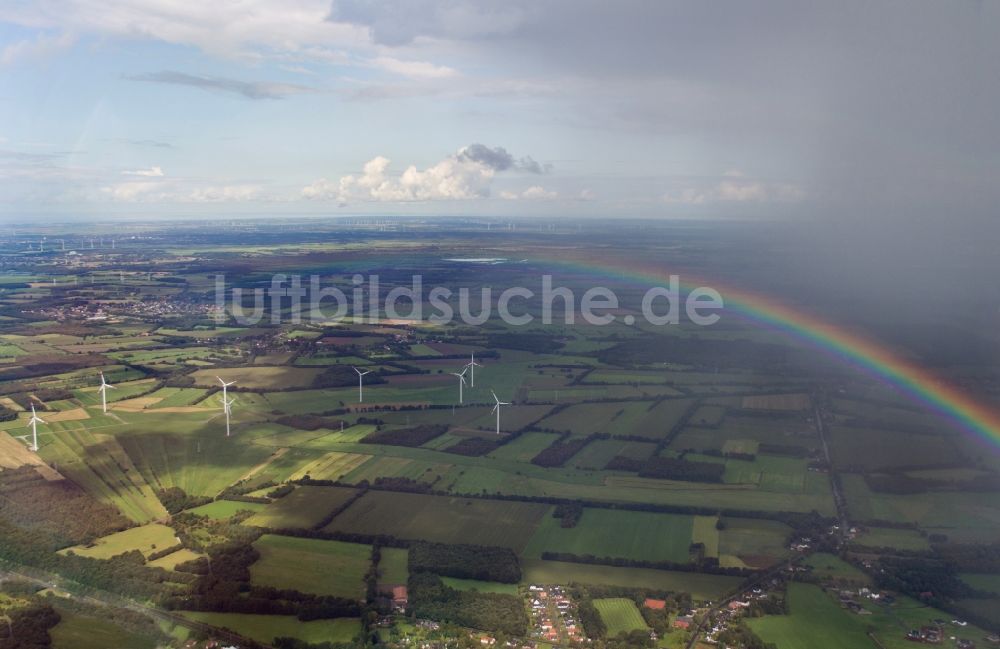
(246, 89)
(499, 159)
(887, 106)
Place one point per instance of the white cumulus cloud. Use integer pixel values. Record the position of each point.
(152, 172)
(457, 177)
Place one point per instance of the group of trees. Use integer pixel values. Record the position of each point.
(28, 627)
(340, 376)
(430, 598)
(561, 450)
(669, 468)
(486, 563)
(569, 514)
(175, 500)
(413, 436)
(223, 585)
(708, 565)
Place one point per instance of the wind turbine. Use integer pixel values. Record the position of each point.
(33, 422)
(104, 393)
(461, 382)
(472, 365)
(224, 386)
(227, 408)
(361, 394)
(496, 408)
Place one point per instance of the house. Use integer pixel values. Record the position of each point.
(399, 597)
(655, 604)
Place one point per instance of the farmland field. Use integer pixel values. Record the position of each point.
(647, 419)
(828, 566)
(304, 507)
(147, 539)
(481, 586)
(620, 615)
(889, 537)
(610, 533)
(265, 628)
(442, 519)
(814, 620)
(311, 565)
(701, 586)
(76, 631)
(393, 565)
(225, 508)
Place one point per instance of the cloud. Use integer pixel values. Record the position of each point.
(156, 144)
(249, 90)
(400, 23)
(734, 187)
(498, 159)
(533, 193)
(413, 69)
(165, 191)
(152, 172)
(466, 175)
(40, 47)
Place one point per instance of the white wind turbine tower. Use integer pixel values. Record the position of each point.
(224, 386)
(227, 409)
(496, 408)
(33, 422)
(461, 382)
(471, 366)
(104, 393)
(361, 394)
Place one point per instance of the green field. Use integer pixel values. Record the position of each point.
(481, 586)
(968, 517)
(76, 631)
(752, 542)
(147, 539)
(891, 537)
(989, 583)
(304, 507)
(393, 566)
(220, 509)
(814, 621)
(311, 565)
(639, 418)
(171, 561)
(613, 533)
(265, 628)
(699, 585)
(620, 615)
(442, 519)
(828, 566)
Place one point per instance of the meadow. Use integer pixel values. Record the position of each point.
(76, 631)
(442, 519)
(265, 628)
(147, 539)
(814, 621)
(613, 533)
(393, 566)
(620, 615)
(221, 509)
(304, 507)
(701, 586)
(311, 565)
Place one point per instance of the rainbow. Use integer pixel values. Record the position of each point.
(854, 349)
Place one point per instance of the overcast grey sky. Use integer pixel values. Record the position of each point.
(838, 110)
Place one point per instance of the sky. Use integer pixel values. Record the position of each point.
(847, 111)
